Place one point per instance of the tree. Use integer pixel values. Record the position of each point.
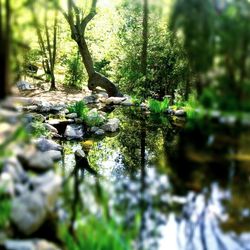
(195, 19)
(144, 53)
(48, 48)
(78, 24)
(5, 40)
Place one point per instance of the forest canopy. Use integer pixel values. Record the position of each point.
(148, 49)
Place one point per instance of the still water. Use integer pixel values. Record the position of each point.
(174, 184)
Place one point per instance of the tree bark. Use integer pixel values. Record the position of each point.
(5, 39)
(144, 53)
(78, 26)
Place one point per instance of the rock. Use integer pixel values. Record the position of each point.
(50, 190)
(28, 212)
(170, 111)
(59, 122)
(30, 108)
(7, 184)
(71, 116)
(100, 132)
(40, 161)
(23, 85)
(50, 128)
(180, 113)
(31, 208)
(93, 129)
(54, 155)
(74, 131)
(44, 144)
(19, 245)
(21, 188)
(13, 167)
(90, 99)
(127, 102)
(93, 116)
(44, 106)
(80, 153)
(45, 245)
(78, 121)
(115, 100)
(32, 117)
(32, 244)
(112, 125)
(9, 116)
(49, 185)
(58, 107)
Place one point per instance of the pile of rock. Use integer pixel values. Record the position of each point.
(33, 186)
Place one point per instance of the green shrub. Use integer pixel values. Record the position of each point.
(82, 111)
(74, 73)
(38, 129)
(158, 106)
(80, 108)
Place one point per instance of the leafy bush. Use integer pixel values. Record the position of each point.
(38, 129)
(83, 112)
(74, 73)
(80, 108)
(158, 106)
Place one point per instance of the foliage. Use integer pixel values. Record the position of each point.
(74, 71)
(38, 129)
(158, 106)
(95, 234)
(5, 208)
(80, 108)
(167, 67)
(89, 117)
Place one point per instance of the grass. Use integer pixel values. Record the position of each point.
(95, 234)
(158, 106)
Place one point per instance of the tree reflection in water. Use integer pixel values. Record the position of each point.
(180, 188)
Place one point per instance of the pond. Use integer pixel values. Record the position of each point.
(171, 184)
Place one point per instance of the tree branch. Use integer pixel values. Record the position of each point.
(90, 16)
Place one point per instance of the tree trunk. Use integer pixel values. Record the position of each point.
(5, 39)
(78, 28)
(144, 53)
(48, 50)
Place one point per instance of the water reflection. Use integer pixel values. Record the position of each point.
(171, 187)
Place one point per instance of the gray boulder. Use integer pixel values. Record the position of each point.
(90, 99)
(44, 106)
(31, 117)
(23, 85)
(28, 212)
(71, 115)
(40, 161)
(115, 100)
(31, 244)
(99, 132)
(112, 125)
(50, 128)
(74, 131)
(44, 144)
(15, 169)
